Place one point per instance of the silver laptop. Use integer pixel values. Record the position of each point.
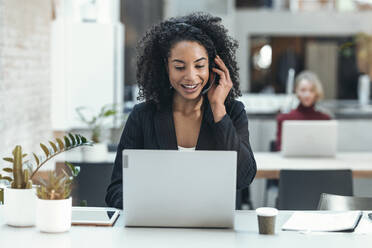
(179, 188)
(309, 138)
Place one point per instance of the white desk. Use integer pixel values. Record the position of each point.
(244, 235)
(270, 163)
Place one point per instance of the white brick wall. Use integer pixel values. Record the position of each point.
(24, 74)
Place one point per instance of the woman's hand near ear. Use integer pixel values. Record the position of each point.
(218, 92)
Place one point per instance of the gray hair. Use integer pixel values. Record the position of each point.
(312, 78)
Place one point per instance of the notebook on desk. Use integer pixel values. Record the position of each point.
(323, 221)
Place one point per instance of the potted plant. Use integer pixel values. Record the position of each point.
(20, 197)
(54, 204)
(95, 123)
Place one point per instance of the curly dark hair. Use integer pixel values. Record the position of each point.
(154, 49)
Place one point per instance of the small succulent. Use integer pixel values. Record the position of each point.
(21, 177)
(23, 172)
(57, 187)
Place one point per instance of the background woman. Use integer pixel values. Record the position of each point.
(309, 90)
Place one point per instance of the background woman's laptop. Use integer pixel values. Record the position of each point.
(309, 138)
(179, 189)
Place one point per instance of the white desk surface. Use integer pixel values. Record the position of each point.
(274, 160)
(360, 162)
(269, 159)
(270, 163)
(245, 234)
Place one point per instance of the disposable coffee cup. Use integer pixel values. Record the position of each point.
(266, 220)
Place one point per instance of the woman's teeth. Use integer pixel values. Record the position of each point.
(189, 86)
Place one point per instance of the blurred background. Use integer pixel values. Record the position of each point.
(65, 63)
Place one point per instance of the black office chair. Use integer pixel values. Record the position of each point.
(301, 189)
(344, 203)
(89, 188)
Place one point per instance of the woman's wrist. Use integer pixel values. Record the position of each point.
(219, 111)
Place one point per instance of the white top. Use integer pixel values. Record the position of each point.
(186, 149)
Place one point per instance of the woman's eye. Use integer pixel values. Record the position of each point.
(199, 66)
(180, 68)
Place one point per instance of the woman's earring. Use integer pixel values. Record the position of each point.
(170, 87)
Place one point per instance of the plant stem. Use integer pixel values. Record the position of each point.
(42, 163)
(55, 154)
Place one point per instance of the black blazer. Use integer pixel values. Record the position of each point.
(149, 128)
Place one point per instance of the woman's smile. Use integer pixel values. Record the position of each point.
(190, 88)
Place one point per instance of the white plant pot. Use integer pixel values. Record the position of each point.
(54, 216)
(96, 153)
(20, 206)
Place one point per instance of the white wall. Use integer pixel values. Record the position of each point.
(87, 69)
(24, 74)
(87, 61)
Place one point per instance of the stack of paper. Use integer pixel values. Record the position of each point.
(323, 222)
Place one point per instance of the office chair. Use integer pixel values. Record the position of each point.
(301, 189)
(89, 187)
(344, 203)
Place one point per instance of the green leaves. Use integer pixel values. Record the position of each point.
(8, 160)
(74, 169)
(55, 149)
(36, 159)
(45, 149)
(77, 138)
(96, 120)
(72, 139)
(68, 142)
(56, 187)
(83, 203)
(9, 170)
(60, 143)
(9, 179)
(109, 113)
(23, 172)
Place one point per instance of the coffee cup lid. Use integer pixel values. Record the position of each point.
(267, 211)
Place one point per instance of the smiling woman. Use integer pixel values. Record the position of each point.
(188, 78)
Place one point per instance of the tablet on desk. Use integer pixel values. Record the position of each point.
(94, 216)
